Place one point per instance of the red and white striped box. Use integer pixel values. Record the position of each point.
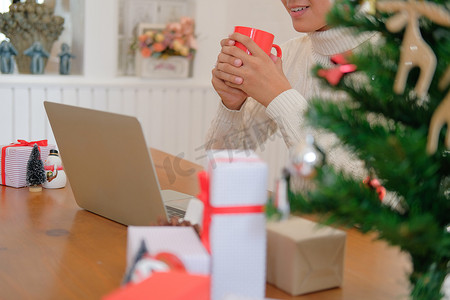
(14, 159)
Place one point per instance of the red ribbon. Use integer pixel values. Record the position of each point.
(209, 210)
(20, 143)
(25, 143)
(334, 75)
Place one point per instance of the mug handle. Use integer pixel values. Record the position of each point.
(278, 49)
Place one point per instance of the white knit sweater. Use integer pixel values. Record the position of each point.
(253, 124)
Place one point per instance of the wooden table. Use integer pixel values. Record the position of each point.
(52, 249)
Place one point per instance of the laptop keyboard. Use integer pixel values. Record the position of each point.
(175, 212)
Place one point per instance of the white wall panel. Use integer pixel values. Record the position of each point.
(21, 113)
(99, 98)
(198, 112)
(170, 114)
(6, 115)
(38, 124)
(70, 96)
(129, 105)
(85, 97)
(143, 105)
(156, 129)
(115, 100)
(53, 94)
(48, 129)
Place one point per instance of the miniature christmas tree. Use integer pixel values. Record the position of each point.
(394, 123)
(35, 170)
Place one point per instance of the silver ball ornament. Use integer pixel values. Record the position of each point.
(305, 159)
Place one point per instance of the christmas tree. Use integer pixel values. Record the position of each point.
(398, 124)
(35, 169)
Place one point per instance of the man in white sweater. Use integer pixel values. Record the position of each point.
(262, 94)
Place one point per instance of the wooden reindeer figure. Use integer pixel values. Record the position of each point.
(414, 51)
(440, 117)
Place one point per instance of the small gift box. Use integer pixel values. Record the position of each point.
(14, 160)
(180, 241)
(171, 285)
(303, 257)
(234, 192)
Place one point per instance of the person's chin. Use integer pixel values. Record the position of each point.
(305, 28)
(302, 29)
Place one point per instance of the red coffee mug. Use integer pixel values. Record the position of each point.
(263, 38)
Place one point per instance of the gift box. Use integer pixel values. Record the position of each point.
(172, 285)
(183, 242)
(14, 160)
(234, 192)
(303, 257)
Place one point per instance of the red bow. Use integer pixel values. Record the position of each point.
(21, 143)
(209, 210)
(25, 143)
(334, 75)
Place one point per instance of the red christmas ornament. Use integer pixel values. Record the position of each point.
(376, 185)
(334, 75)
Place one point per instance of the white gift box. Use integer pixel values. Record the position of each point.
(14, 160)
(182, 242)
(237, 234)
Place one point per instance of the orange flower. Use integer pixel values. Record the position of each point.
(142, 38)
(146, 52)
(158, 47)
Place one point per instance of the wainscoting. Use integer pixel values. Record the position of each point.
(174, 115)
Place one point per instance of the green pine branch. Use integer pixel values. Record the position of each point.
(389, 133)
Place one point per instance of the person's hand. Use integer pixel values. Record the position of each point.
(232, 97)
(259, 75)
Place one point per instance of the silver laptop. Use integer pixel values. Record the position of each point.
(109, 165)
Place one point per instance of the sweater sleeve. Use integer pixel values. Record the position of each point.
(253, 124)
(287, 110)
(246, 128)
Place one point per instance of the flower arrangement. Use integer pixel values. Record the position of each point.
(176, 39)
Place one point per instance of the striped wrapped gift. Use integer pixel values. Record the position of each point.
(14, 159)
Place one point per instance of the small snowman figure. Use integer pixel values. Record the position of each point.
(56, 177)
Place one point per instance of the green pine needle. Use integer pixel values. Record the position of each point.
(389, 133)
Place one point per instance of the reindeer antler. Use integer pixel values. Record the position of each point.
(440, 117)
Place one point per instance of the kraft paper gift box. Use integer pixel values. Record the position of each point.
(303, 257)
(14, 160)
(171, 285)
(234, 192)
(183, 242)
